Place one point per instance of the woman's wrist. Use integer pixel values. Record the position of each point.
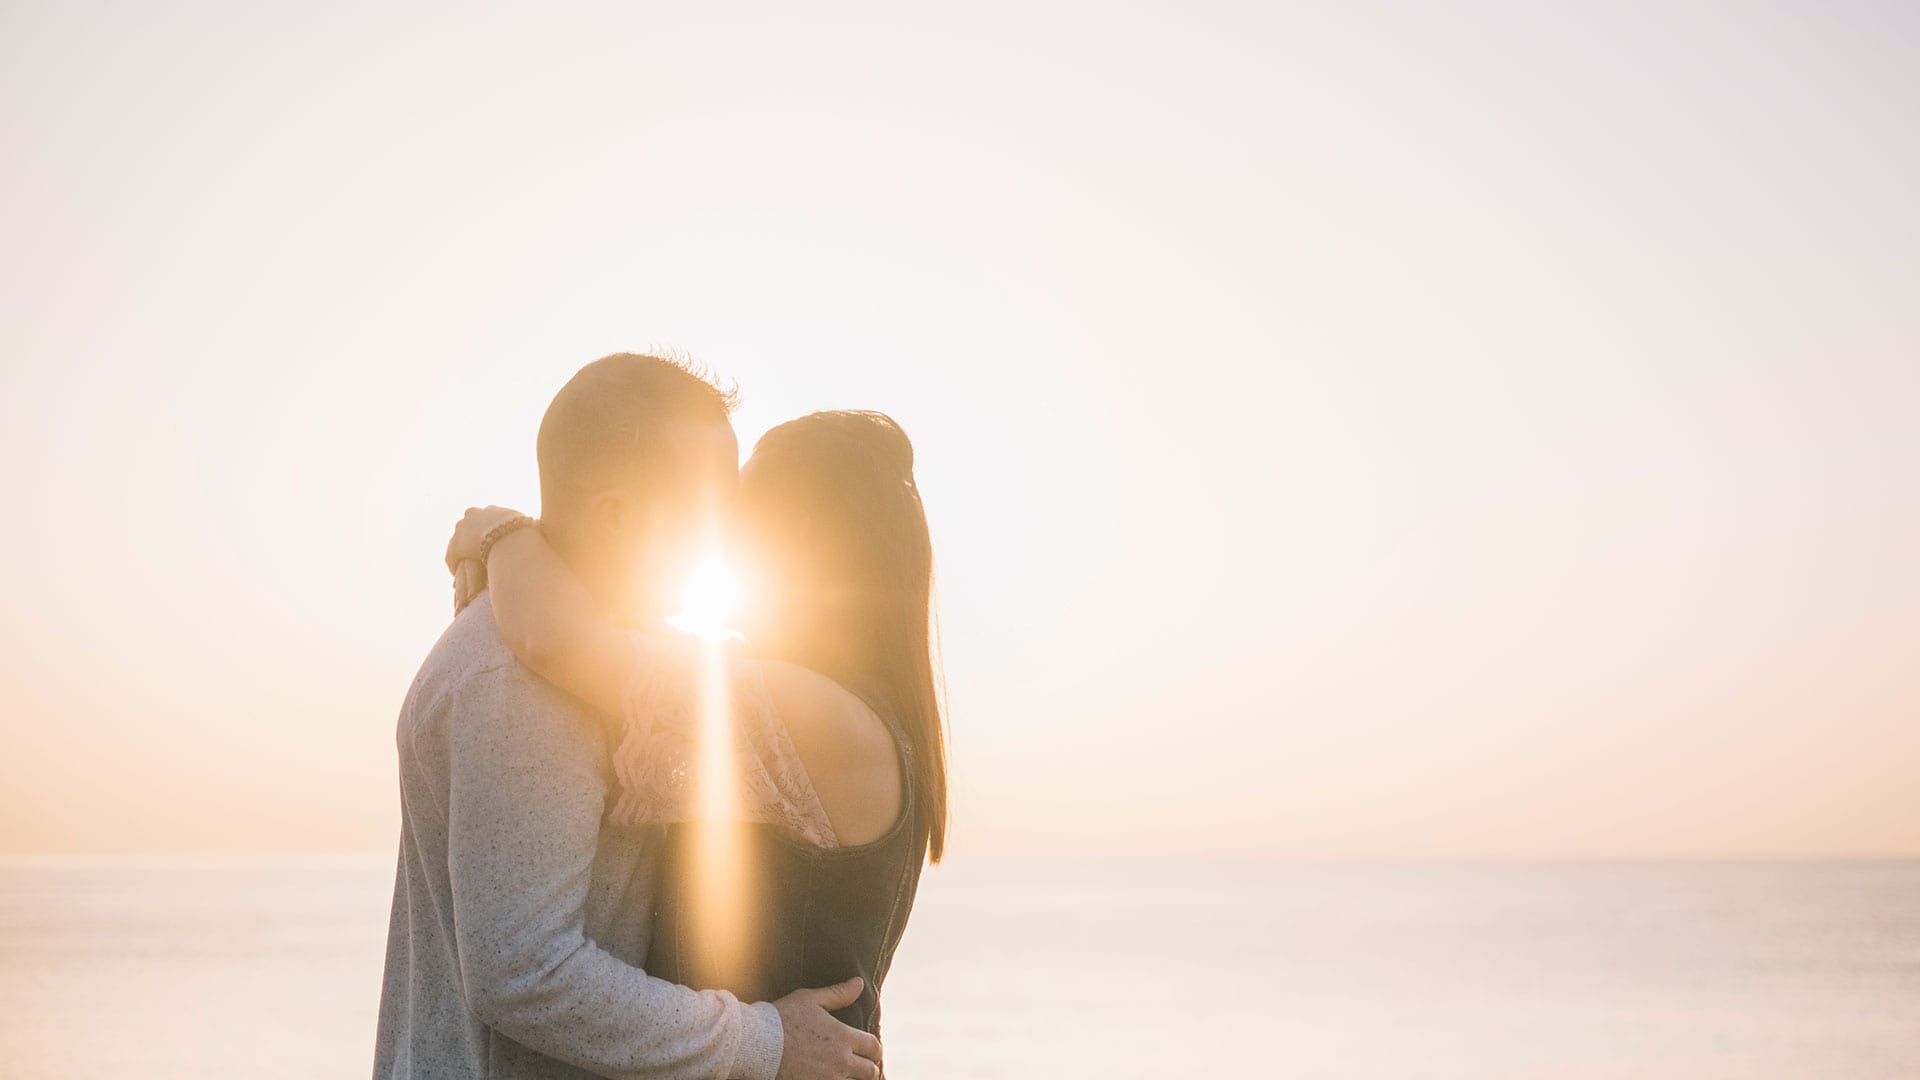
(501, 532)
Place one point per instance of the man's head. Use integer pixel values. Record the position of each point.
(637, 462)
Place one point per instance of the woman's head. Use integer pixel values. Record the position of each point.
(834, 542)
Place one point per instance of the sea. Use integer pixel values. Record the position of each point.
(269, 969)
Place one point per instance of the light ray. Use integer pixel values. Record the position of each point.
(720, 915)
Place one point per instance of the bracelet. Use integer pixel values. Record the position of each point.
(502, 531)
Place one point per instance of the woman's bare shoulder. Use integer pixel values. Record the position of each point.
(846, 748)
(829, 724)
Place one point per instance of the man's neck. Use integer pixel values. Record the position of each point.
(605, 576)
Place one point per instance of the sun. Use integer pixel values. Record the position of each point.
(709, 600)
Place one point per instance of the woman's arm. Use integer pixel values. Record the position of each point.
(546, 616)
(552, 624)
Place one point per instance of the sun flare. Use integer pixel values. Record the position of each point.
(709, 600)
(721, 918)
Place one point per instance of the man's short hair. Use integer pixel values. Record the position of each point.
(609, 423)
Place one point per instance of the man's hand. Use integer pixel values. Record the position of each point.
(815, 1046)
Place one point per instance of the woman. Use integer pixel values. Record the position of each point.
(835, 789)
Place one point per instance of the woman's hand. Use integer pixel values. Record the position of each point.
(469, 581)
(471, 530)
(463, 552)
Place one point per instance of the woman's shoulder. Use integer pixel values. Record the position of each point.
(831, 727)
(847, 751)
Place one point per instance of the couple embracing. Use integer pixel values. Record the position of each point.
(574, 772)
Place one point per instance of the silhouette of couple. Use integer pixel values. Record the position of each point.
(631, 852)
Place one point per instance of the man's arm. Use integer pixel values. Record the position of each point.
(525, 796)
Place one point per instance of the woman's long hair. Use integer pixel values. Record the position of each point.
(833, 499)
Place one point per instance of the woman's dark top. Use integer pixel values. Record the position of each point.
(745, 908)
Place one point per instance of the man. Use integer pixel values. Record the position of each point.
(518, 919)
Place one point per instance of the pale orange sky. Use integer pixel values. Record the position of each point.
(1346, 432)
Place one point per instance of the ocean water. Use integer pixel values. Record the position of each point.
(270, 970)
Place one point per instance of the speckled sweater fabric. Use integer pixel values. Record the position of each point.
(519, 919)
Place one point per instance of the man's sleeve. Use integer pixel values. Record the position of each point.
(525, 795)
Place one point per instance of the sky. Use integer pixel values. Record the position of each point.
(1348, 430)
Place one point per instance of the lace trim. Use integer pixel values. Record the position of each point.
(657, 762)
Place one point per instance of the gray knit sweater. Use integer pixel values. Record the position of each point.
(518, 918)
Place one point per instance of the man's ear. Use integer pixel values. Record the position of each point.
(613, 513)
(800, 526)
